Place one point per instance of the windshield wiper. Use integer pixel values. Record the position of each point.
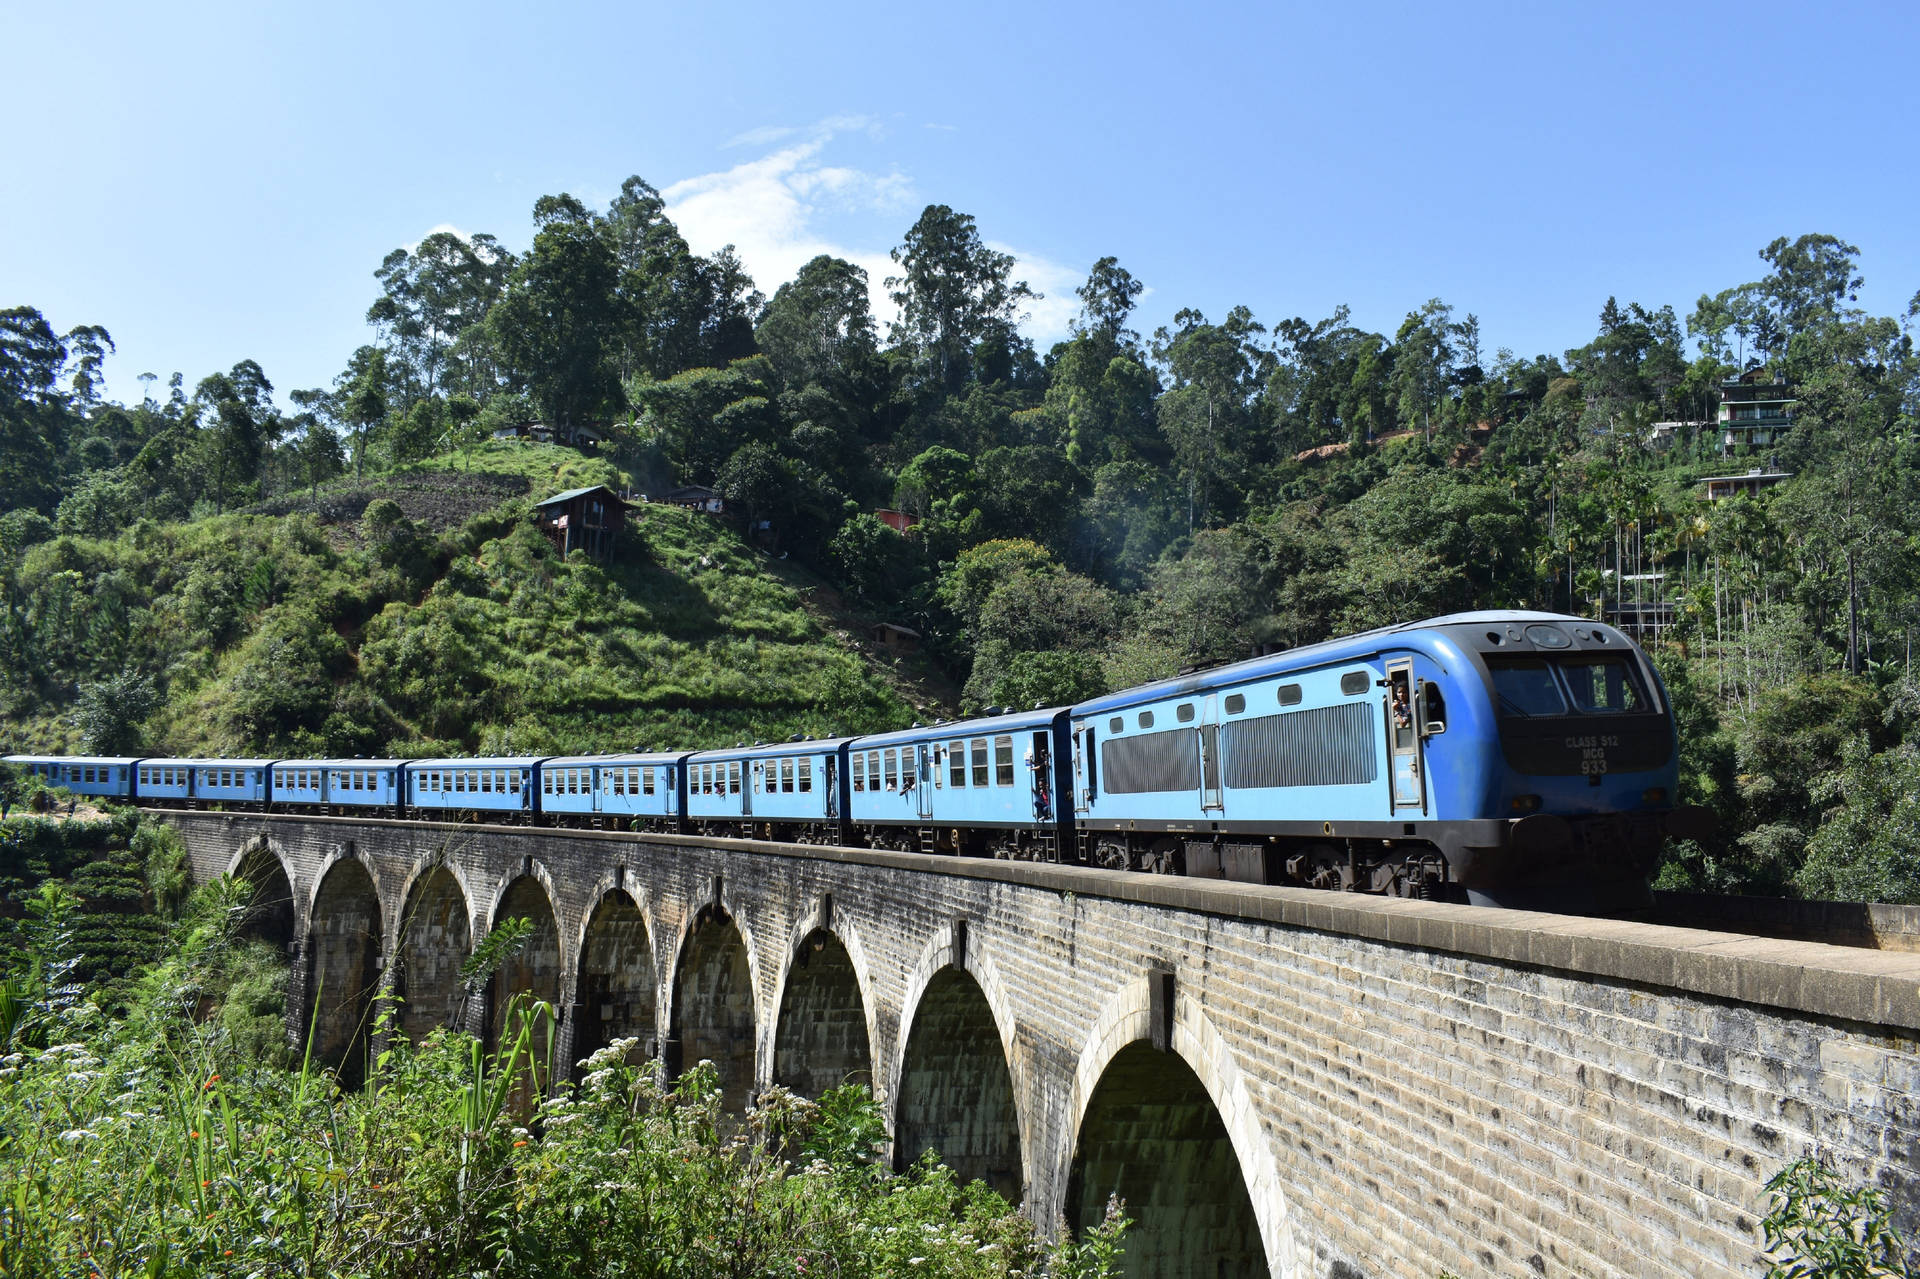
(1508, 704)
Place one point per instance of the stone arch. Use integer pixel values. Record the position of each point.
(956, 1091)
(274, 913)
(823, 1032)
(713, 1013)
(343, 965)
(434, 935)
(536, 970)
(1176, 1135)
(615, 993)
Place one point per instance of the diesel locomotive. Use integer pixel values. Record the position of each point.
(1504, 758)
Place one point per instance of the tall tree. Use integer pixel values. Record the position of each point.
(1423, 362)
(953, 293)
(238, 426)
(558, 324)
(819, 324)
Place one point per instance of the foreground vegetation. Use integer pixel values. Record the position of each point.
(153, 1124)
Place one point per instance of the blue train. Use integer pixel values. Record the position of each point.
(1508, 758)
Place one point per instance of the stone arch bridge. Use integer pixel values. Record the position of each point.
(1276, 1081)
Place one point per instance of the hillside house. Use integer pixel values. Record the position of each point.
(1755, 411)
(1718, 488)
(588, 519)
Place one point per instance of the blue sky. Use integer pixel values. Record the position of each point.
(214, 183)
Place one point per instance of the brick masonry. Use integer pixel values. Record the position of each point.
(1407, 1087)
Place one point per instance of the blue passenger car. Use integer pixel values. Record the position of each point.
(626, 791)
(193, 782)
(456, 788)
(1483, 752)
(980, 787)
(789, 790)
(108, 777)
(356, 784)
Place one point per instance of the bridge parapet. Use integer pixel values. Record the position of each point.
(1293, 1082)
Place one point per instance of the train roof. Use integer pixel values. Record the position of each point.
(185, 761)
(961, 727)
(479, 761)
(637, 757)
(1344, 649)
(73, 759)
(765, 750)
(341, 763)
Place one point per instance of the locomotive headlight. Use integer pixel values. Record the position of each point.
(1654, 795)
(1525, 803)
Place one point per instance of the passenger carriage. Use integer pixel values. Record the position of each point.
(983, 787)
(322, 785)
(793, 791)
(636, 792)
(102, 776)
(456, 789)
(195, 783)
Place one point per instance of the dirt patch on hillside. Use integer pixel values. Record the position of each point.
(434, 500)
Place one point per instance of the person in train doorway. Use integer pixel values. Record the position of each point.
(1402, 710)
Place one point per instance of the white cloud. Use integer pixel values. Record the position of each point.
(778, 210)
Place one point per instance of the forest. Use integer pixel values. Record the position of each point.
(1089, 516)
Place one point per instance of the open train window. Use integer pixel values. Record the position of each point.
(733, 778)
(980, 761)
(1003, 761)
(806, 775)
(786, 776)
(957, 764)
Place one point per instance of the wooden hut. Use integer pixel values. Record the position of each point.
(588, 519)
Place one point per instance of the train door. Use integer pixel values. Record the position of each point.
(1040, 768)
(753, 771)
(1403, 738)
(1212, 799)
(923, 782)
(1083, 765)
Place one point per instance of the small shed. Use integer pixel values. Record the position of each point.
(900, 638)
(695, 497)
(588, 519)
(898, 521)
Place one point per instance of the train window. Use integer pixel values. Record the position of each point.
(1184, 712)
(1236, 702)
(935, 766)
(1524, 686)
(1146, 719)
(1601, 685)
(786, 776)
(891, 760)
(957, 764)
(1353, 683)
(646, 781)
(979, 761)
(806, 774)
(546, 782)
(1116, 725)
(1290, 694)
(513, 780)
(1003, 761)
(486, 782)
(873, 770)
(616, 780)
(733, 777)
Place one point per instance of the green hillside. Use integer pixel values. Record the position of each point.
(424, 612)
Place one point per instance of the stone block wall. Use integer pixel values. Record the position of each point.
(1405, 1087)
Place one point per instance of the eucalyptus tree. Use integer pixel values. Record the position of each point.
(1423, 365)
(238, 425)
(559, 323)
(432, 298)
(954, 293)
(1208, 413)
(819, 327)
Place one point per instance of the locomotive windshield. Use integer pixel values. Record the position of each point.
(1585, 684)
